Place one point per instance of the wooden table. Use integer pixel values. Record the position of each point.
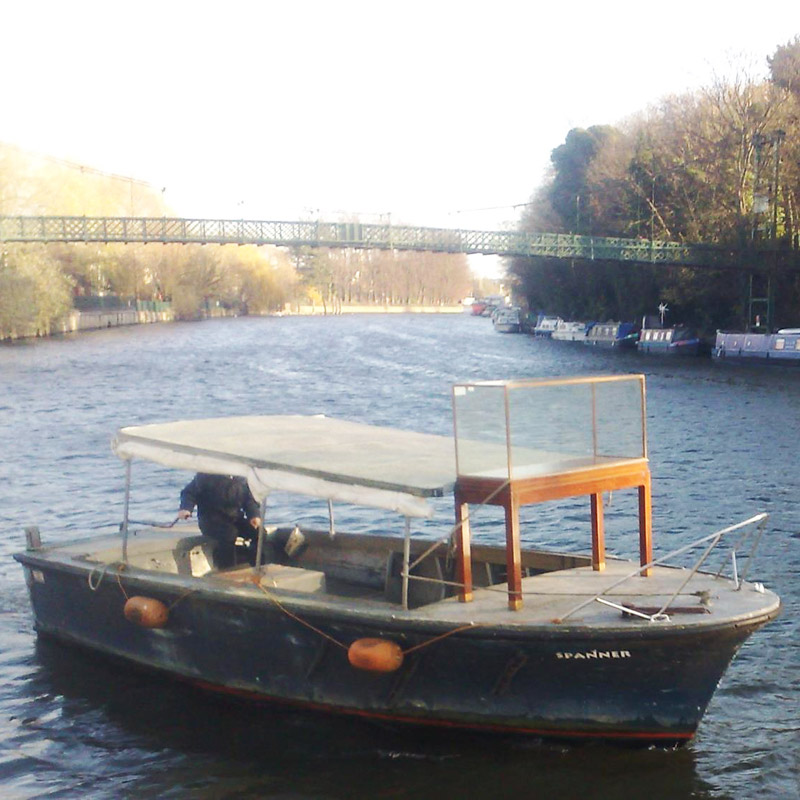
(550, 479)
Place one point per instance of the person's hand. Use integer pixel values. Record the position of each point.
(184, 514)
(255, 522)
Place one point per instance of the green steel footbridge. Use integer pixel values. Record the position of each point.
(170, 230)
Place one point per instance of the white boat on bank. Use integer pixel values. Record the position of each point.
(545, 326)
(507, 319)
(567, 331)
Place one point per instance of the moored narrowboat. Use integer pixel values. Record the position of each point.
(620, 335)
(776, 349)
(676, 341)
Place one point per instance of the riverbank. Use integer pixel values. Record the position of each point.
(112, 318)
(87, 320)
(78, 321)
(312, 310)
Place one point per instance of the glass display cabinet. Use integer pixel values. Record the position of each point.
(529, 441)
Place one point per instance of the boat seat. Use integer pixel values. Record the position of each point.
(276, 576)
(194, 555)
(175, 554)
(189, 555)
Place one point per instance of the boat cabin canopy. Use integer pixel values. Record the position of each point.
(312, 455)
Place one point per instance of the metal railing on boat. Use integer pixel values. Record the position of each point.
(754, 526)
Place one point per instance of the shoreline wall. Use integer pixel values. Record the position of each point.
(110, 318)
(77, 321)
(336, 310)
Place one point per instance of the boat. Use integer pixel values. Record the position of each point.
(776, 349)
(485, 306)
(507, 320)
(478, 307)
(569, 331)
(545, 326)
(676, 341)
(621, 335)
(408, 630)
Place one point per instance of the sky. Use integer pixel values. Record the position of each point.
(427, 113)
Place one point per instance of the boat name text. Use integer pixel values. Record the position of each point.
(589, 654)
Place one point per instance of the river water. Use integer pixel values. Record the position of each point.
(723, 446)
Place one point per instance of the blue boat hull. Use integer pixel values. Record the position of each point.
(674, 350)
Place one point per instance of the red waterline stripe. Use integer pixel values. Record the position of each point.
(440, 723)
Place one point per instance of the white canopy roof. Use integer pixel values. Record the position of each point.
(317, 456)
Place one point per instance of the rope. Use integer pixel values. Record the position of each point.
(102, 573)
(292, 615)
(331, 639)
(300, 619)
(121, 568)
(181, 597)
(450, 535)
(435, 639)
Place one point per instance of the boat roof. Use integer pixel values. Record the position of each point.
(313, 455)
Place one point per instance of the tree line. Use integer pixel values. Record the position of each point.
(40, 284)
(716, 166)
(378, 277)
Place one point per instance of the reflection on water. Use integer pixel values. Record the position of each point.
(192, 742)
(722, 447)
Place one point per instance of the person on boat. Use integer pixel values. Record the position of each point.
(226, 510)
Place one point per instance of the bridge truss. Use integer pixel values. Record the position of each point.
(170, 230)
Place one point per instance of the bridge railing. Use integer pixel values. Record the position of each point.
(168, 230)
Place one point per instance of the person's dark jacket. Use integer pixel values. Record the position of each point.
(224, 504)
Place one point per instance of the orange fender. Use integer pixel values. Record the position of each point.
(146, 611)
(375, 655)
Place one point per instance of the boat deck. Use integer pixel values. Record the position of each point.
(550, 596)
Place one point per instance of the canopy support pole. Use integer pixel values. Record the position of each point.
(261, 533)
(645, 526)
(331, 524)
(406, 561)
(463, 550)
(598, 533)
(125, 510)
(513, 551)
